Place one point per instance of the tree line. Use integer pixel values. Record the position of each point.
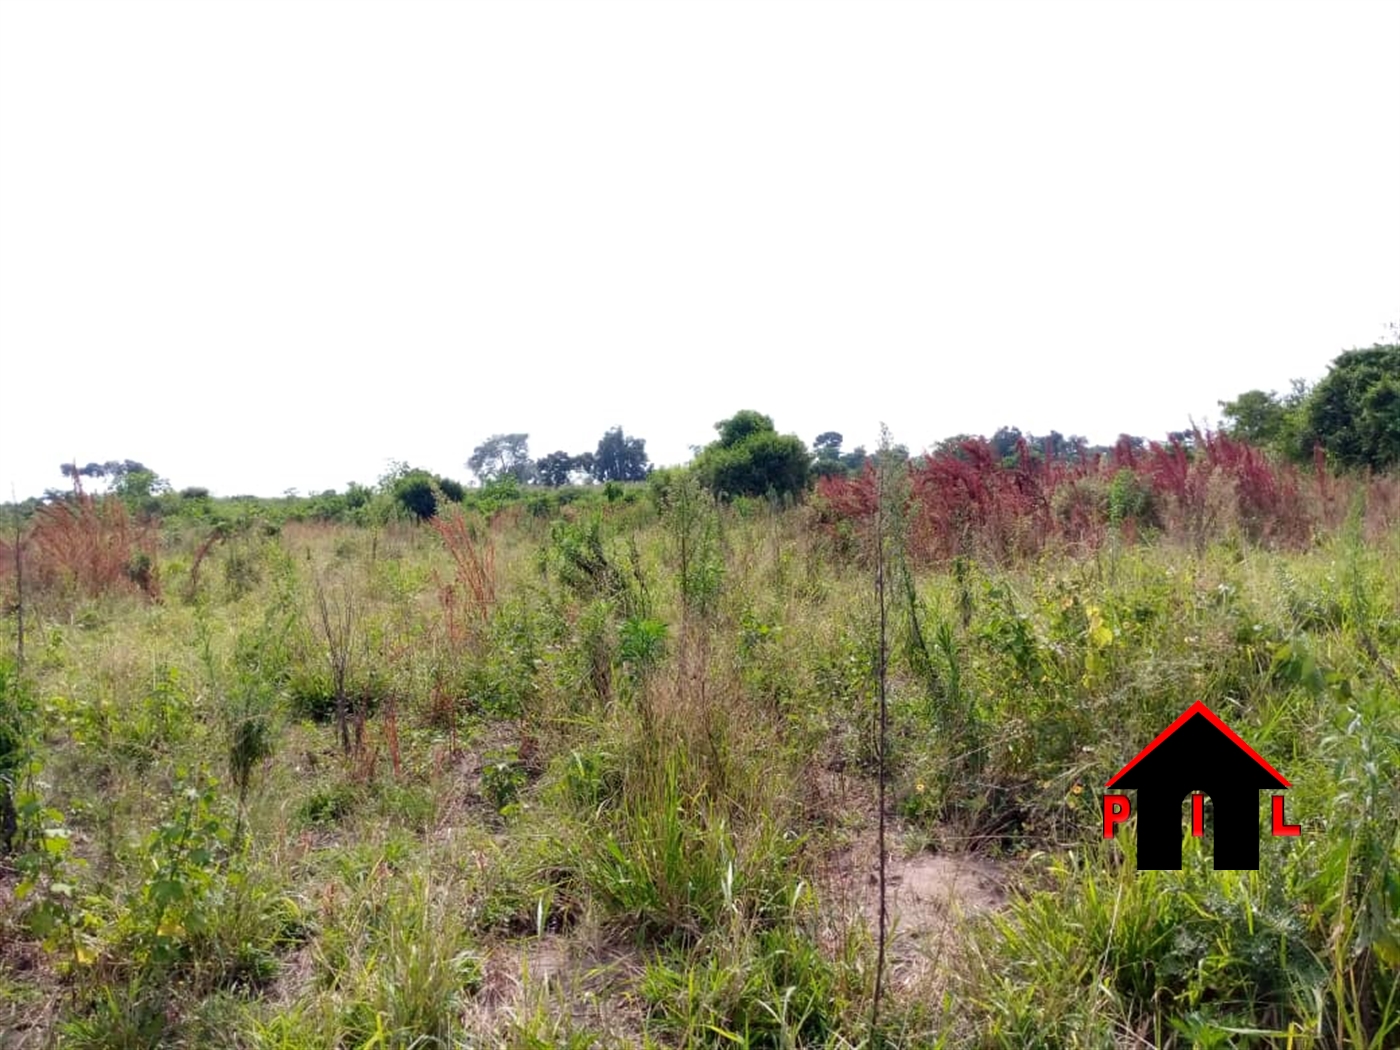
(1352, 414)
(1351, 417)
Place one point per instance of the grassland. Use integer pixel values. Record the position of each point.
(605, 775)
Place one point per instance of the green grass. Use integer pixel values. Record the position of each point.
(657, 750)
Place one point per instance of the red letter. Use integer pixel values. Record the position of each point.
(1280, 828)
(1115, 811)
(1198, 815)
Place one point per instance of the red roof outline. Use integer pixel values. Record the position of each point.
(1199, 708)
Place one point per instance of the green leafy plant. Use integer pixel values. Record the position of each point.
(184, 883)
(17, 717)
(66, 920)
(642, 643)
(502, 778)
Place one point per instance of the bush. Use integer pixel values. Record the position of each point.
(16, 728)
(752, 459)
(417, 493)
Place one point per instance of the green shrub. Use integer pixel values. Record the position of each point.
(417, 493)
(329, 804)
(752, 459)
(641, 644)
(592, 779)
(17, 714)
(502, 777)
(1129, 499)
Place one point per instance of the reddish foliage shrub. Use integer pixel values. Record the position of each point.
(969, 501)
(91, 546)
(468, 599)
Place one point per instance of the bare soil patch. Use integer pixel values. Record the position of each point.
(574, 981)
(931, 896)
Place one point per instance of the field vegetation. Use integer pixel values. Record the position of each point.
(602, 765)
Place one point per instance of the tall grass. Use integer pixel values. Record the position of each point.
(637, 767)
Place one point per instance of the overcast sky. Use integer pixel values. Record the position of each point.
(271, 245)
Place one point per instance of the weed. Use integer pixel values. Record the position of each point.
(502, 777)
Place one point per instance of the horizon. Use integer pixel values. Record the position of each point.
(261, 249)
(469, 480)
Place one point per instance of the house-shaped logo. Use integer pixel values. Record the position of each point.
(1199, 755)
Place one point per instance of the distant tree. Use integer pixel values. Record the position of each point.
(415, 494)
(620, 458)
(1051, 446)
(751, 458)
(394, 469)
(827, 445)
(92, 470)
(1354, 411)
(854, 461)
(554, 469)
(1185, 438)
(1005, 443)
(741, 425)
(126, 477)
(827, 448)
(953, 446)
(131, 481)
(1076, 448)
(583, 467)
(500, 456)
(413, 491)
(1259, 418)
(357, 495)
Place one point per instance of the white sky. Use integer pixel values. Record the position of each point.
(261, 245)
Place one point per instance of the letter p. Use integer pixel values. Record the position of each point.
(1116, 809)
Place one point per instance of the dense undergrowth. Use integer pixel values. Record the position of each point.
(582, 778)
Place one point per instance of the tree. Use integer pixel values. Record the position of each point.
(620, 458)
(501, 456)
(413, 490)
(1185, 438)
(357, 495)
(92, 470)
(1354, 411)
(953, 446)
(129, 479)
(1005, 443)
(827, 445)
(751, 458)
(554, 469)
(741, 425)
(1254, 416)
(1052, 446)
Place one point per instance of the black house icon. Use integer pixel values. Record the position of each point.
(1198, 753)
